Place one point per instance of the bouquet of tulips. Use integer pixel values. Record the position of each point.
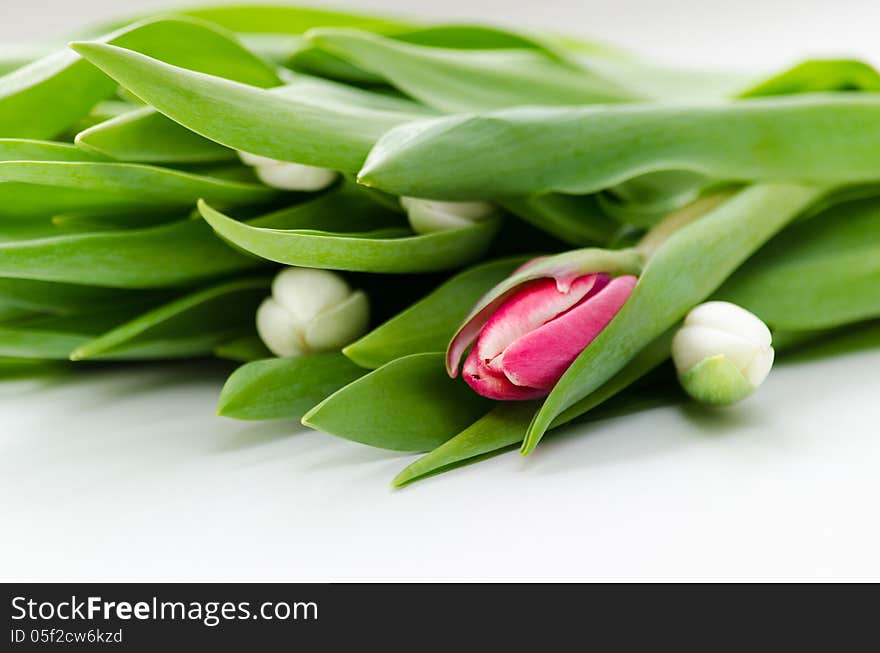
(432, 238)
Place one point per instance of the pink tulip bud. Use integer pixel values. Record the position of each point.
(531, 338)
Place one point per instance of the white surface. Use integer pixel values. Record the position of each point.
(125, 474)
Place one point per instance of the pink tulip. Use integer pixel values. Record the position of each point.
(538, 330)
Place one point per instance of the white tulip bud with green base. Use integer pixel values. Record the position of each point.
(285, 175)
(429, 216)
(722, 353)
(311, 311)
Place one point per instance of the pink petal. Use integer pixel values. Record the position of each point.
(471, 329)
(533, 305)
(496, 386)
(540, 357)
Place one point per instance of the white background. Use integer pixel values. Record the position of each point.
(125, 474)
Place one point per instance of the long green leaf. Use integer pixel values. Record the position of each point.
(49, 297)
(427, 325)
(170, 255)
(818, 138)
(820, 273)
(388, 250)
(454, 80)
(410, 404)
(285, 19)
(22, 149)
(41, 188)
(145, 136)
(29, 96)
(817, 76)
(244, 349)
(192, 325)
(506, 424)
(574, 219)
(177, 254)
(285, 388)
(267, 123)
(55, 337)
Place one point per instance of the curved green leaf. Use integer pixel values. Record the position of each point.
(499, 430)
(389, 250)
(817, 138)
(169, 255)
(326, 93)
(819, 273)
(688, 267)
(645, 199)
(29, 105)
(51, 297)
(145, 136)
(55, 337)
(410, 404)
(452, 79)
(31, 188)
(574, 219)
(428, 325)
(192, 325)
(22, 149)
(331, 137)
(470, 37)
(176, 254)
(506, 424)
(244, 349)
(290, 20)
(285, 388)
(817, 76)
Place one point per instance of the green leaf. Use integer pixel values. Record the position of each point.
(497, 431)
(306, 58)
(427, 325)
(410, 404)
(282, 19)
(686, 269)
(326, 93)
(29, 96)
(177, 254)
(145, 136)
(169, 255)
(819, 75)
(40, 188)
(61, 298)
(18, 342)
(817, 274)
(388, 250)
(645, 199)
(820, 343)
(471, 37)
(244, 349)
(574, 219)
(506, 424)
(21, 149)
(331, 137)
(192, 325)
(285, 388)
(577, 150)
(454, 79)
(54, 338)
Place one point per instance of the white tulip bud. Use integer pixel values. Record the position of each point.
(286, 175)
(428, 216)
(310, 311)
(722, 353)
